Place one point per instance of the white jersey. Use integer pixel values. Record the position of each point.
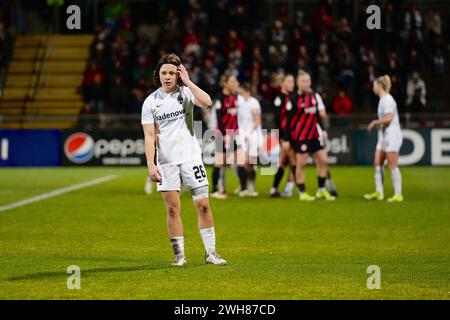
(172, 115)
(387, 105)
(245, 112)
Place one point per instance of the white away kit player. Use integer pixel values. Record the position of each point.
(250, 134)
(167, 119)
(389, 141)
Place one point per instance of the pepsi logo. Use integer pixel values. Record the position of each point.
(79, 147)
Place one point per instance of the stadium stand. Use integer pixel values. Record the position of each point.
(44, 79)
(110, 72)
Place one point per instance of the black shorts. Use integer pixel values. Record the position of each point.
(281, 134)
(307, 146)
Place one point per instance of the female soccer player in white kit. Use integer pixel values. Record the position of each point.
(167, 119)
(389, 141)
(250, 134)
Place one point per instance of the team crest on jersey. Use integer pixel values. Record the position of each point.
(304, 147)
(277, 102)
(289, 106)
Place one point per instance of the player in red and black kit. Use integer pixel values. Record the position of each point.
(287, 155)
(227, 125)
(307, 111)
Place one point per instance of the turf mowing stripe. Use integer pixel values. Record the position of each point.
(57, 192)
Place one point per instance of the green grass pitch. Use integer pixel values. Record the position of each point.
(276, 248)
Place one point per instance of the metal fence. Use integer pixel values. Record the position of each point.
(133, 121)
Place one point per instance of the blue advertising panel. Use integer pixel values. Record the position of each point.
(29, 148)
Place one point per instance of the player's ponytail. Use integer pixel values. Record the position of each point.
(385, 82)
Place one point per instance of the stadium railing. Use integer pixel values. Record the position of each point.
(126, 121)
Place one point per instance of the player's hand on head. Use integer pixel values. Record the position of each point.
(184, 76)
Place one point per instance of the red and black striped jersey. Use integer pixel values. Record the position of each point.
(303, 116)
(226, 111)
(280, 111)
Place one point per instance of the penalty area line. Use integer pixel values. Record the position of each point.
(57, 192)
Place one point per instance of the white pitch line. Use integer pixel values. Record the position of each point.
(57, 192)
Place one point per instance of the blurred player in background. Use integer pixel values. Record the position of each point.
(250, 135)
(389, 141)
(167, 119)
(329, 184)
(304, 113)
(287, 155)
(227, 124)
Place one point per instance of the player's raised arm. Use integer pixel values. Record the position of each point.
(202, 99)
(149, 138)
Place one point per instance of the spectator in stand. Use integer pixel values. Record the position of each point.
(278, 49)
(126, 26)
(346, 66)
(414, 62)
(118, 71)
(119, 96)
(112, 11)
(143, 46)
(120, 50)
(323, 20)
(234, 48)
(433, 23)
(389, 27)
(367, 100)
(94, 87)
(344, 31)
(413, 26)
(100, 54)
(416, 93)
(342, 105)
(139, 93)
(438, 63)
(142, 69)
(191, 42)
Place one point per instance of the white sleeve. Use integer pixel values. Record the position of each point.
(320, 104)
(256, 106)
(388, 105)
(147, 112)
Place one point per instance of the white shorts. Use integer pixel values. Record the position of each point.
(390, 142)
(192, 174)
(248, 140)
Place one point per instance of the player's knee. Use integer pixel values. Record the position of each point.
(173, 211)
(202, 205)
(391, 166)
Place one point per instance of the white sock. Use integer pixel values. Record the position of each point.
(251, 185)
(209, 239)
(177, 245)
(396, 178)
(289, 186)
(222, 179)
(379, 179)
(272, 190)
